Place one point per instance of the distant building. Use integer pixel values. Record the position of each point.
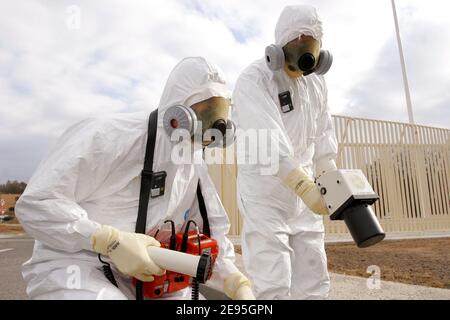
(8, 203)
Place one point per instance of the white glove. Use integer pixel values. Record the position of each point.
(304, 186)
(128, 252)
(238, 287)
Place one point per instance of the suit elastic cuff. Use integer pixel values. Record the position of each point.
(287, 165)
(85, 228)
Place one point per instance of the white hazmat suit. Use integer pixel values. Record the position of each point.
(282, 240)
(92, 178)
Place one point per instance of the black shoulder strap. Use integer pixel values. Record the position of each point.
(146, 185)
(203, 211)
(146, 180)
(146, 175)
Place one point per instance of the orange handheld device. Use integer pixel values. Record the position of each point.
(189, 244)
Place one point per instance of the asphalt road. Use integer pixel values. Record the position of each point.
(13, 253)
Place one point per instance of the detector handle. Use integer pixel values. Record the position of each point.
(198, 267)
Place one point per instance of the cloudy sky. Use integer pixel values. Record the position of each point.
(62, 61)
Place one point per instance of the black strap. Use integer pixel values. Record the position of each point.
(146, 179)
(146, 174)
(144, 196)
(203, 211)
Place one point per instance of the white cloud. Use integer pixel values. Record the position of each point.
(426, 40)
(120, 57)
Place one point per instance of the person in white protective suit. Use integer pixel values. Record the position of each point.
(283, 232)
(83, 200)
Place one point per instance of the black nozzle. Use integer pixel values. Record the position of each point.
(220, 125)
(363, 225)
(306, 62)
(204, 267)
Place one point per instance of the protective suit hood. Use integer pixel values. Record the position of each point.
(192, 80)
(295, 21)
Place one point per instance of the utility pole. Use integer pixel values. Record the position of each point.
(402, 61)
(418, 156)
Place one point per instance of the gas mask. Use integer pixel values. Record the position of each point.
(206, 120)
(300, 57)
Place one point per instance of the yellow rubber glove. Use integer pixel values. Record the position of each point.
(304, 186)
(128, 252)
(238, 287)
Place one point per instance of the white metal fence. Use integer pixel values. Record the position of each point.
(407, 165)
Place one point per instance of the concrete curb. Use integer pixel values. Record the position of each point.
(236, 240)
(15, 236)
